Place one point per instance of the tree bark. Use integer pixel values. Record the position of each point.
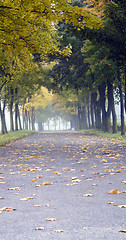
(26, 119)
(11, 112)
(92, 111)
(16, 110)
(121, 102)
(19, 118)
(2, 121)
(102, 89)
(88, 108)
(111, 107)
(33, 118)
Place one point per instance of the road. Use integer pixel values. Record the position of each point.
(63, 186)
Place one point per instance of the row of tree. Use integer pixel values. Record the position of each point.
(28, 35)
(96, 69)
(85, 41)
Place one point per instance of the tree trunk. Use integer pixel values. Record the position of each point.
(26, 119)
(92, 111)
(98, 115)
(11, 112)
(16, 110)
(23, 116)
(16, 116)
(125, 87)
(19, 118)
(40, 126)
(89, 122)
(111, 107)
(33, 118)
(2, 115)
(102, 89)
(2, 120)
(84, 124)
(121, 103)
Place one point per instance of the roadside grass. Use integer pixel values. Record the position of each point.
(114, 137)
(12, 136)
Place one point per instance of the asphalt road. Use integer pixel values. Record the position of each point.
(56, 186)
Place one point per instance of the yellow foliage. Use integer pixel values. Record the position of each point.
(40, 99)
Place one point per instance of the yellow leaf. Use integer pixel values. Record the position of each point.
(39, 228)
(123, 182)
(51, 219)
(119, 171)
(96, 173)
(25, 198)
(88, 195)
(15, 188)
(47, 183)
(57, 173)
(122, 206)
(104, 161)
(59, 231)
(114, 192)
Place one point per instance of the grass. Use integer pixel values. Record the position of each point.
(114, 137)
(12, 136)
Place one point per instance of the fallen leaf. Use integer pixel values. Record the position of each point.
(34, 180)
(123, 182)
(51, 219)
(59, 231)
(119, 171)
(114, 192)
(73, 178)
(25, 198)
(88, 195)
(39, 185)
(122, 206)
(104, 161)
(39, 228)
(85, 228)
(57, 173)
(2, 198)
(47, 183)
(110, 202)
(76, 181)
(95, 173)
(7, 209)
(37, 206)
(15, 188)
(123, 231)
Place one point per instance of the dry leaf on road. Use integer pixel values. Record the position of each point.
(123, 231)
(25, 198)
(88, 195)
(7, 209)
(59, 231)
(47, 183)
(39, 228)
(51, 219)
(114, 192)
(15, 188)
(122, 206)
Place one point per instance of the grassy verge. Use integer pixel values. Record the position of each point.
(12, 136)
(114, 137)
